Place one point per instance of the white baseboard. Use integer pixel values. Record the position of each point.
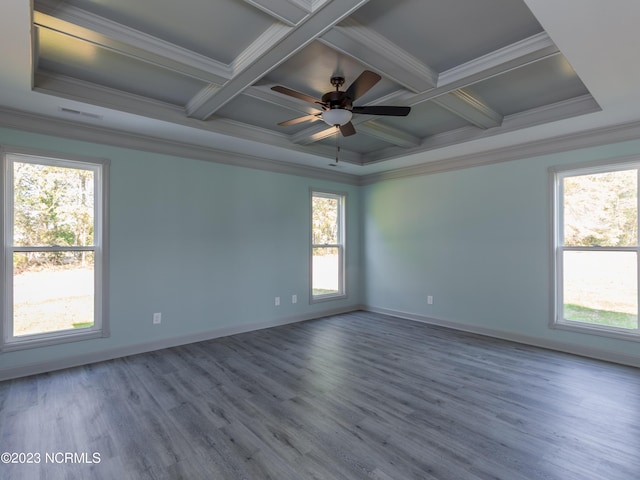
(581, 350)
(93, 357)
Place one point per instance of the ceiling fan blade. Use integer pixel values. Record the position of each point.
(293, 93)
(362, 84)
(295, 121)
(347, 129)
(383, 110)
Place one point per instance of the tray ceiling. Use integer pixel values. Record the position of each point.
(468, 69)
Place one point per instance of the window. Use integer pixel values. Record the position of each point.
(327, 246)
(596, 249)
(54, 250)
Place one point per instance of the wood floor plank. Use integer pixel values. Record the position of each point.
(346, 397)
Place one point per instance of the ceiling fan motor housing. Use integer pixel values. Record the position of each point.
(337, 99)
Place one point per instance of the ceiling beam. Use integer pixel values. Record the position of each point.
(378, 53)
(261, 61)
(472, 109)
(514, 56)
(388, 134)
(291, 12)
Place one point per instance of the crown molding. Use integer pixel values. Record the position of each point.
(15, 119)
(90, 93)
(549, 113)
(586, 139)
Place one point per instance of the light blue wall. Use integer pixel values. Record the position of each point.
(211, 245)
(478, 241)
(208, 245)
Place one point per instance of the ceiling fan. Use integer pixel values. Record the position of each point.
(337, 106)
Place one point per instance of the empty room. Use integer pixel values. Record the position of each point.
(319, 239)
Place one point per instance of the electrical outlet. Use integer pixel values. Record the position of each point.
(294, 298)
(277, 302)
(157, 318)
(430, 300)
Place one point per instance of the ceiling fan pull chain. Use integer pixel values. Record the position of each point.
(337, 143)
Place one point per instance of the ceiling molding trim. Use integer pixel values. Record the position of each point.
(90, 93)
(260, 46)
(15, 119)
(472, 109)
(522, 53)
(381, 55)
(550, 113)
(287, 11)
(200, 98)
(574, 141)
(71, 88)
(517, 55)
(298, 38)
(132, 43)
(388, 134)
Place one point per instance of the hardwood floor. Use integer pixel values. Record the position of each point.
(347, 397)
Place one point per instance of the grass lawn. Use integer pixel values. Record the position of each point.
(600, 317)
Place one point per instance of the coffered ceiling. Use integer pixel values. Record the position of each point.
(477, 74)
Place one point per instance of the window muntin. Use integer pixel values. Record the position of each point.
(596, 249)
(327, 246)
(53, 250)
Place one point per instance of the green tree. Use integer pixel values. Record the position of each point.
(601, 209)
(53, 206)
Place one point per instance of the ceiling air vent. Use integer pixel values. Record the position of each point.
(71, 111)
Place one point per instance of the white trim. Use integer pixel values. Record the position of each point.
(292, 41)
(341, 197)
(121, 139)
(536, 116)
(556, 176)
(113, 353)
(574, 349)
(100, 249)
(518, 54)
(470, 108)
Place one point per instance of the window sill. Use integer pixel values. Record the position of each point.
(603, 331)
(53, 339)
(328, 298)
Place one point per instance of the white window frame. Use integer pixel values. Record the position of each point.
(557, 175)
(340, 246)
(100, 328)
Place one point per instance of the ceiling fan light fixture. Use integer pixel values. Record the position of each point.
(336, 116)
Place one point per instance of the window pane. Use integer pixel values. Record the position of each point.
(52, 291)
(325, 220)
(601, 288)
(52, 205)
(326, 271)
(601, 209)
